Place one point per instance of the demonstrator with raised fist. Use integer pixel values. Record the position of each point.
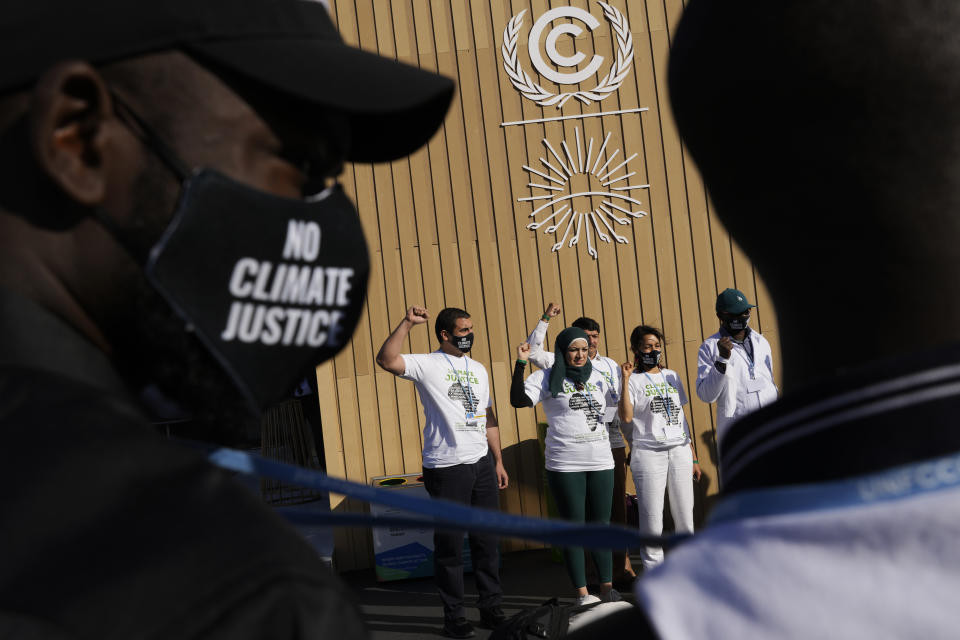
(461, 454)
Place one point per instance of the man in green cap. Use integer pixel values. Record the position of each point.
(735, 366)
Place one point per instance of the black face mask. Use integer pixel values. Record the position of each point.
(649, 360)
(736, 324)
(272, 286)
(463, 343)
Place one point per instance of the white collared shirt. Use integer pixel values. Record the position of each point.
(735, 393)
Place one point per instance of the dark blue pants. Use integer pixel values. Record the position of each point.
(474, 484)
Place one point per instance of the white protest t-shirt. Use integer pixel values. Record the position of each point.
(576, 436)
(455, 393)
(658, 419)
(606, 366)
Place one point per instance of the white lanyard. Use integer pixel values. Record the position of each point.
(739, 348)
(466, 366)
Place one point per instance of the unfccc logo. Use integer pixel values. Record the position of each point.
(530, 89)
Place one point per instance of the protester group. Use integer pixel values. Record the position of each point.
(596, 409)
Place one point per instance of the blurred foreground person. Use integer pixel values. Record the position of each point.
(827, 134)
(170, 228)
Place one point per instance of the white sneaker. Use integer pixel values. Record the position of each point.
(587, 599)
(612, 596)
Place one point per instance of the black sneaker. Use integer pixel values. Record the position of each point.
(492, 617)
(457, 628)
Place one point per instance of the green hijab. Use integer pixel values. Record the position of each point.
(561, 369)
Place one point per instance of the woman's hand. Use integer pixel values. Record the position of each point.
(627, 369)
(523, 351)
(696, 471)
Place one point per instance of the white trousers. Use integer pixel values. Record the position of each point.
(654, 472)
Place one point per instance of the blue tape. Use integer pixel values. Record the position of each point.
(431, 512)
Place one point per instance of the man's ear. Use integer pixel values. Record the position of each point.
(70, 108)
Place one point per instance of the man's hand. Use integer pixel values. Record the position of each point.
(725, 346)
(502, 479)
(417, 315)
(523, 351)
(389, 357)
(552, 310)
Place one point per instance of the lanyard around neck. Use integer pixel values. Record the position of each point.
(666, 393)
(468, 391)
(666, 385)
(613, 376)
(748, 358)
(587, 398)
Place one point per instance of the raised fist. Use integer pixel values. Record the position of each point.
(552, 310)
(523, 351)
(725, 347)
(627, 369)
(417, 315)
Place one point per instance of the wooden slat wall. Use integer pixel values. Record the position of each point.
(445, 228)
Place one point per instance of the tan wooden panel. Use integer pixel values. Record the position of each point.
(445, 228)
(334, 458)
(722, 255)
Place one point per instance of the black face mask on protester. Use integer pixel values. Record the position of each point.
(736, 324)
(272, 286)
(649, 360)
(464, 343)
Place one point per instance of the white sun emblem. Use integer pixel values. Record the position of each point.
(599, 180)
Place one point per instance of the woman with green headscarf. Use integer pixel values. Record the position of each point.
(578, 458)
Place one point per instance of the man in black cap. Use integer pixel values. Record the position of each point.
(735, 365)
(827, 133)
(170, 227)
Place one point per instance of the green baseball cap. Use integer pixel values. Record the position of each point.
(733, 301)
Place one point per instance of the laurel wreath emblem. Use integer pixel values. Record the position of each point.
(533, 91)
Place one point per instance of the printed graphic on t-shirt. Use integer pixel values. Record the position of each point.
(589, 405)
(458, 392)
(464, 377)
(667, 408)
(658, 389)
(589, 387)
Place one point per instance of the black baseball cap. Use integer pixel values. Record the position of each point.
(290, 46)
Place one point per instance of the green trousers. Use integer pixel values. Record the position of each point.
(584, 496)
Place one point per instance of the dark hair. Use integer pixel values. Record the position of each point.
(447, 320)
(587, 324)
(637, 334)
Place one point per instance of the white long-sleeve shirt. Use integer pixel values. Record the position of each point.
(607, 367)
(735, 392)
